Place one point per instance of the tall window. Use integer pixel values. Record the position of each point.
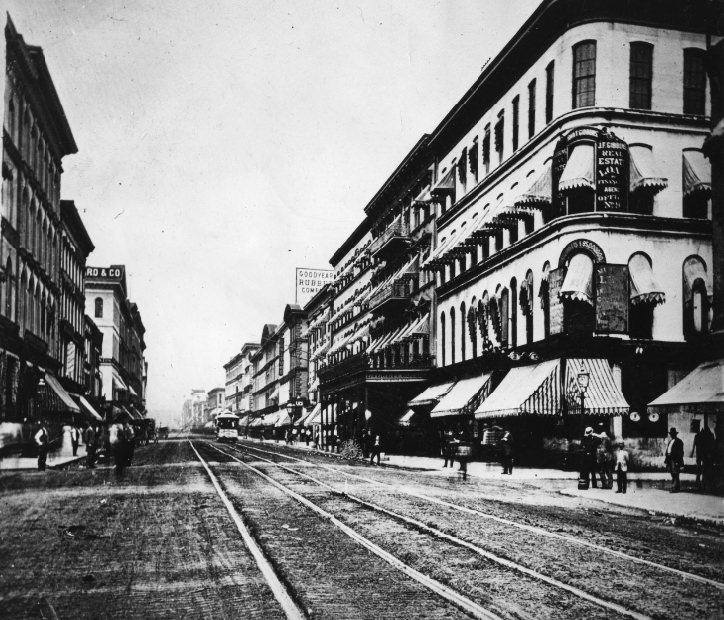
(513, 313)
(694, 82)
(99, 308)
(486, 149)
(516, 119)
(584, 74)
(452, 335)
(639, 76)
(442, 338)
(499, 135)
(462, 332)
(550, 71)
(531, 109)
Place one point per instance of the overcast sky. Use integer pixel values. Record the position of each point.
(221, 147)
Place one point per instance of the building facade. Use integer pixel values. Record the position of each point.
(239, 379)
(123, 365)
(36, 138)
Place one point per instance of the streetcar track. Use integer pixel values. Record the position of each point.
(451, 595)
(280, 591)
(509, 564)
(524, 526)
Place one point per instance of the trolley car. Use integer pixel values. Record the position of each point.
(227, 426)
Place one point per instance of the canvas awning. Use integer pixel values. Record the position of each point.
(244, 420)
(132, 391)
(697, 173)
(431, 394)
(424, 197)
(65, 399)
(420, 328)
(578, 172)
(118, 383)
(694, 270)
(316, 417)
(461, 396)
(701, 390)
(304, 420)
(525, 390)
(284, 419)
(255, 422)
(406, 418)
(642, 169)
(603, 396)
(87, 408)
(446, 184)
(539, 194)
(644, 288)
(578, 283)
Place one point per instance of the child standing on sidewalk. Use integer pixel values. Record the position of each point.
(621, 467)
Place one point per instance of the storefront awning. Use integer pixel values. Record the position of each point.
(420, 328)
(697, 173)
(244, 420)
(578, 172)
(461, 396)
(316, 417)
(539, 194)
(644, 288)
(578, 283)
(701, 390)
(446, 184)
(642, 170)
(283, 420)
(307, 415)
(424, 197)
(132, 391)
(431, 395)
(118, 383)
(65, 399)
(525, 390)
(406, 418)
(603, 396)
(87, 408)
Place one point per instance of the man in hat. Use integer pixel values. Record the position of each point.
(674, 459)
(590, 447)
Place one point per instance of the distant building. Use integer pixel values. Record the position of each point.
(238, 379)
(123, 365)
(214, 404)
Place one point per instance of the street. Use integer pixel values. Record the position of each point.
(197, 529)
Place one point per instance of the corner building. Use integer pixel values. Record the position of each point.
(572, 261)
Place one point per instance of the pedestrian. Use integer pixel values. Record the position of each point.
(703, 449)
(117, 442)
(130, 439)
(449, 444)
(307, 432)
(506, 452)
(588, 467)
(604, 459)
(364, 443)
(89, 438)
(42, 441)
(74, 438)
(621, 467)
(376, 450)
(674, 459)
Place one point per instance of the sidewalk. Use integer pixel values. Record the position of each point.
(647, 491)
(55, 459)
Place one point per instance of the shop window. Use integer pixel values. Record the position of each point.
(640, 75)
(516, 119)
(584, 74)
(531, 108)
(694, 82)
(98, 307)
(550, 77)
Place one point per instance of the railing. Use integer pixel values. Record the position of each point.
(402, 288)
(377, 361)
(398, 229)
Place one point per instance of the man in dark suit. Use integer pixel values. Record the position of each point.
(674, 459)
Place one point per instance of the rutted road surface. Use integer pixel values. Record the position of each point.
(163, 543)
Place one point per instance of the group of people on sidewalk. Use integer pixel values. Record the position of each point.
(599, 457)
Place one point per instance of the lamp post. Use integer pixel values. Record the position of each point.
(583, 378)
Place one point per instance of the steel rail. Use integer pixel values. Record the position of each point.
(281, 593)
(464, 603)
(523, 526)
(611, 606)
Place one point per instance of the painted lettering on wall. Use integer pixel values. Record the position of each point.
(310, 281)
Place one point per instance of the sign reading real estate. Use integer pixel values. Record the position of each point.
(611, 173)
(310, 281)
(555, 304)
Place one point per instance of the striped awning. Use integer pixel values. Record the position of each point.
(460, 398)
(420, 328)
(307, 417)
(603, 396)
(316, 417)
(644, 288)
(539, 194)
(64, 400)
(642, 170)
(87, 408)
(578, 283)
(578, 172)
(424, 197)
(701, 390)
(697, 173)
(525, 390)
(431, 394)
(283, 420)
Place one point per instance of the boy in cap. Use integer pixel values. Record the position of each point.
(674, 459)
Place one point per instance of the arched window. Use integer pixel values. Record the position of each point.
(8, 299)
(472, 327)
(526, 305)
(513, 312)
(462, 332)
(98, 307)
(504, 311)
(697, 297)
(452, 335)
(442, 338)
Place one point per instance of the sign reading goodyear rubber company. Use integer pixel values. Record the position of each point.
(310, 281)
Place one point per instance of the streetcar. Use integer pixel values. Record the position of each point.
(227, 426)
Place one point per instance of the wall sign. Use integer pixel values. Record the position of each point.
(309, 282)
(611, 173)
(612, 296)
(114, 272)
(555, 304)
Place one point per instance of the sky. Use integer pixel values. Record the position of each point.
(222, 144)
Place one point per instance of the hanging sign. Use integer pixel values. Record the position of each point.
(611, 173)
(611, 283)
